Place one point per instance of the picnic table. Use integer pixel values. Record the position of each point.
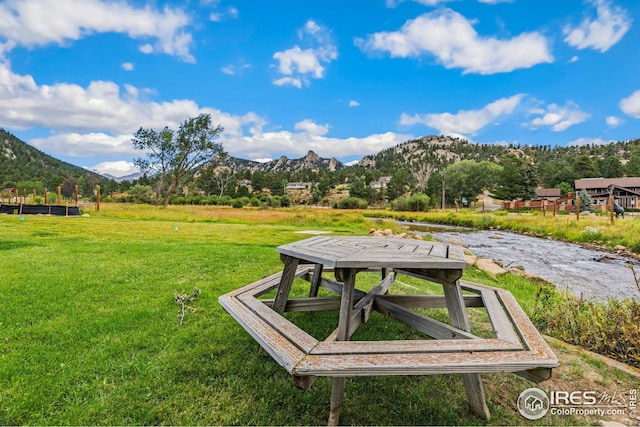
(516, 347)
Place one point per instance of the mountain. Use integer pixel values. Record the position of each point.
(311, 162)
(435, 150)
(21, 162)
(131, 177)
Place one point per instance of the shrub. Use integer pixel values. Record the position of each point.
(419, 202)
(610, 328)
(237, 203)
(352, 203)
(400, 204)
(141, 193)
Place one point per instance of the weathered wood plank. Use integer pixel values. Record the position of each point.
(472, 381)
(456, 307)
(432, 275)
(279, 348)
(414, 346)
(439, 251)
(475, 395)
(265, 284)
(420, 363)
(336, 287)
(456, 252)
(289, 273)
(531, 337)
(429, 301)
(537, 375)
(365, 305)
(303, 382)
(421, 323)
(502, 326)
(381, 259)
(315, 280)
(359, 252)
(337, 393)
(346, 305)
(309, 304)
(279, 325)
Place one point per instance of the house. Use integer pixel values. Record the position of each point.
(243, 183)
(8, 193)
(297, 186)
(549, 194)
(382, 182)
(626, 190)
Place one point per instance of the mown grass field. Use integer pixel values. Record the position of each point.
(89, 333)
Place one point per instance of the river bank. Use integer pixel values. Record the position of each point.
(591, 231)
(586, 269)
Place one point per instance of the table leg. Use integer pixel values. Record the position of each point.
(315, 280)
(286, 281)
(460, 320)
(337, 392)
(346, 307)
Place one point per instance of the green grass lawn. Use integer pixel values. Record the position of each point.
(90, 334)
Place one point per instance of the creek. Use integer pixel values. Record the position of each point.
(588, 273)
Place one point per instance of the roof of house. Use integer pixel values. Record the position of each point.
(548, 192)
(590, 183)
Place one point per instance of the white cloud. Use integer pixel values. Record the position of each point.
(296, 60)
(311, 128)
(574, 59)
(127, 66)
(297, 65)
(102, 106)
(118, 168)
(559, 118)
(631, 105)
(588, 141)
(613, 121)
(465, 122)
(609, 26)
(229, 70)
(34, 23)
(231, 13)
(288, 81)
(353, 103)
(146, 48)
(232, 69)
(450, 37)
(297, 144)
(86, 145)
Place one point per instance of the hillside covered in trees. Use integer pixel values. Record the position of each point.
(25, 167)
(418, 168)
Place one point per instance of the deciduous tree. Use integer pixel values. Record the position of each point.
(174, 156)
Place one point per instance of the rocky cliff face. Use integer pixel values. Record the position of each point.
(309, 162)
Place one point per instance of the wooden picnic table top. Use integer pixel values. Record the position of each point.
(373, 252)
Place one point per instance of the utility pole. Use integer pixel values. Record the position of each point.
(442, 190)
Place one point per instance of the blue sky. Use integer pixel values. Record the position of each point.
(344, 78)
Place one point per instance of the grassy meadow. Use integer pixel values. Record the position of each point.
(90, 334)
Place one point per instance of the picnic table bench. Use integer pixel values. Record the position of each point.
(517, 346)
